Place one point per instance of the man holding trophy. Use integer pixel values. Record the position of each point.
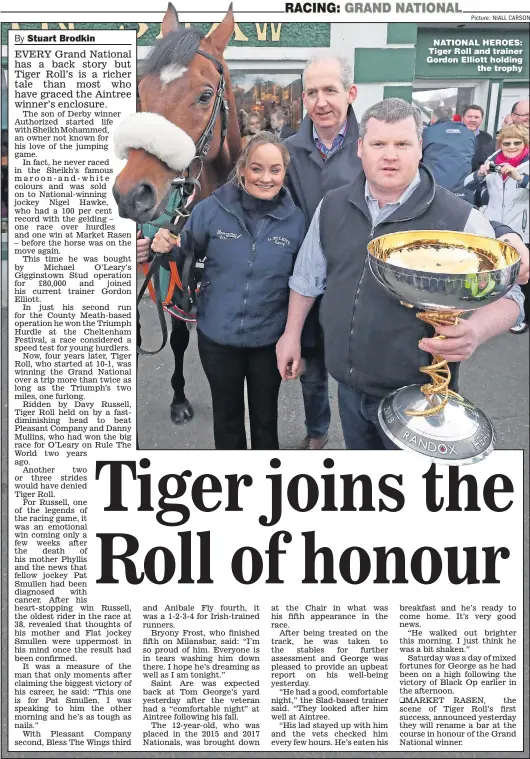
(374, 345)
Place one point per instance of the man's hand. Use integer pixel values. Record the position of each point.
(142, 248)
(516, 242)
(164, 241)
(459, 344)
(288, 354)
(484, 170)
(288, 350)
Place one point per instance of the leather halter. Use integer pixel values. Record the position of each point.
(202, 146)
(220, 106)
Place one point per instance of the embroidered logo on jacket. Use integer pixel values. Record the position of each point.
(227, 235)
(279, 240)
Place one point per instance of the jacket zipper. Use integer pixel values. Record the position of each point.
(350, 372)
(525, 212)
(249, 272)
(355, 300)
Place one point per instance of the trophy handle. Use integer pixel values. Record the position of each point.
(437, 391)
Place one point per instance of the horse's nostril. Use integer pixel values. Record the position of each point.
(142, 198)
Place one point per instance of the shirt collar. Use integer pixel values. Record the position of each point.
(342, 131)
(399, 202)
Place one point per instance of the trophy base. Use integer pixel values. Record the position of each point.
(458, 434)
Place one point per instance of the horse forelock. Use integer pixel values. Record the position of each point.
(175, 50)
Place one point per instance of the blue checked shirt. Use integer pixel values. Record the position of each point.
(336, 145)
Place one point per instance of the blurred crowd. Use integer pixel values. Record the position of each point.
(490, 172)
(252, 123)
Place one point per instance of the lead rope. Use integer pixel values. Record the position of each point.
(438, 372)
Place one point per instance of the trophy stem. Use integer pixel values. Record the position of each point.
(437, 391)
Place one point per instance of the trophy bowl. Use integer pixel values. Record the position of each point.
(445, 274)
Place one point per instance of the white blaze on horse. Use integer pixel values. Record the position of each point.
(187, 120)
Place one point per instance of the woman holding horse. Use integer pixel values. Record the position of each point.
(250, 232)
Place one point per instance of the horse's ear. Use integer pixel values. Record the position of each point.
(222, 33)
(170, 22)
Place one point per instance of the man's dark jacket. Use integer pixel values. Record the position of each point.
(484, 146)
(371, 340)
(309, 178)
(448, 150)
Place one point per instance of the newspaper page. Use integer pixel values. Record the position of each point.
(163, 597)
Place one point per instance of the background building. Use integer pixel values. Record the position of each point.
(395, 59)
(485, 64)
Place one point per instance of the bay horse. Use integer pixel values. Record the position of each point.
(187, 115)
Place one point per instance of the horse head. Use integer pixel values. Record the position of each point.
(187, 112)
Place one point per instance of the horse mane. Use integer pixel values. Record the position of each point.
(178, 48)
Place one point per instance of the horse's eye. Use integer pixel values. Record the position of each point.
(205, 98)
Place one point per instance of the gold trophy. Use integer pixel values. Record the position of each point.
(446, 274)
